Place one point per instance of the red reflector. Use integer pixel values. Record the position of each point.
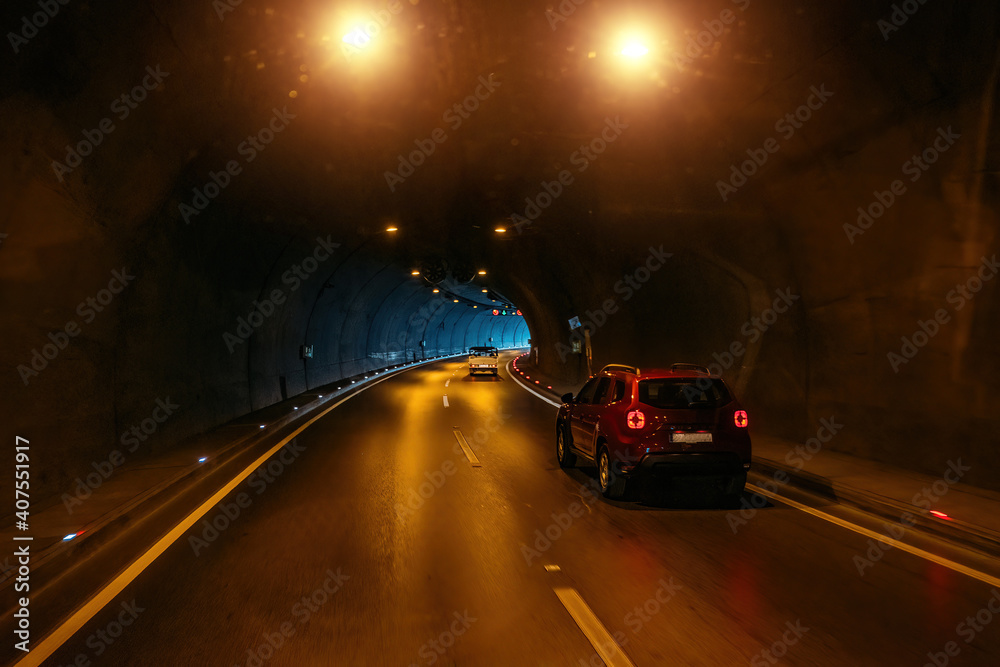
(940, 515)
(740, 418)
(635, 419)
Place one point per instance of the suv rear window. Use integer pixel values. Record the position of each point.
(683, 393)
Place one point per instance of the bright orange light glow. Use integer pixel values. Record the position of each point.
(414, 272)
(634, 49)
(357, 37)
(500, 230)
(392, 229)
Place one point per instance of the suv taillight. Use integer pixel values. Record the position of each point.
(635, 419)
(740, 419)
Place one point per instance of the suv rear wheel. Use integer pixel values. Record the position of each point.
(612, 484)
(567, 459)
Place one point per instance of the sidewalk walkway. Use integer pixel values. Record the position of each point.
(940, 505)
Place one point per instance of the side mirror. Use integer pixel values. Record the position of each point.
(567, 398)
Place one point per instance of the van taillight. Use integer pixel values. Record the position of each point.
(740, 419)
(635, 419)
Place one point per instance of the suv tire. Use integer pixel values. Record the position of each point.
(612, 485)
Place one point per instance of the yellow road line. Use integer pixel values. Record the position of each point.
(48, 645)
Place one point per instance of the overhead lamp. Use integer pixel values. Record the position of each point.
(634, 49)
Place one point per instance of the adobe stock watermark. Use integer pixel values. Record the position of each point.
(31, 24)
(434, 649)
(417, 497)
(102, 639)
(702, 41)
(121, 107)
(796, 458)
(419, 320)
(131, 439)
(357, 40)
(301, 612)
(249, 149)
(925, 498)
(562, 12)
(900, 14)
(266, 307)
(223, 7)
(581, 158)
(773, 654)
(230, 511)
(629, 284)
(915, 167)
(563, 521)
(752, 329)
(968, 630)
(786, 126)
(636, 620)
(455, 116)
(59, 339)
(928, 329)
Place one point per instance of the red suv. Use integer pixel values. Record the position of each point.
(656, 423)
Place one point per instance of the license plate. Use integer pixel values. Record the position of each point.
(691, 437)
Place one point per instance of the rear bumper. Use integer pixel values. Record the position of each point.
(689, 464)
(725, 471)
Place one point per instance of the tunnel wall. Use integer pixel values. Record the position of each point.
(860, 299)
(212, 323)
(861, 344)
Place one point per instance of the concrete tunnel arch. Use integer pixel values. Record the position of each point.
(360, 315)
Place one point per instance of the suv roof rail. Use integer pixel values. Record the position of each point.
(690, 367)
(621, 367)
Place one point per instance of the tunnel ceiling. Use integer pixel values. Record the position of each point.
(541, 83)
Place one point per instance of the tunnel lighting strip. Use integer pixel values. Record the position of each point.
(916, 551)
(879, 537)
(51, 642)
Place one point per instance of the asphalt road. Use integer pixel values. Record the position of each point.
(378, 542)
